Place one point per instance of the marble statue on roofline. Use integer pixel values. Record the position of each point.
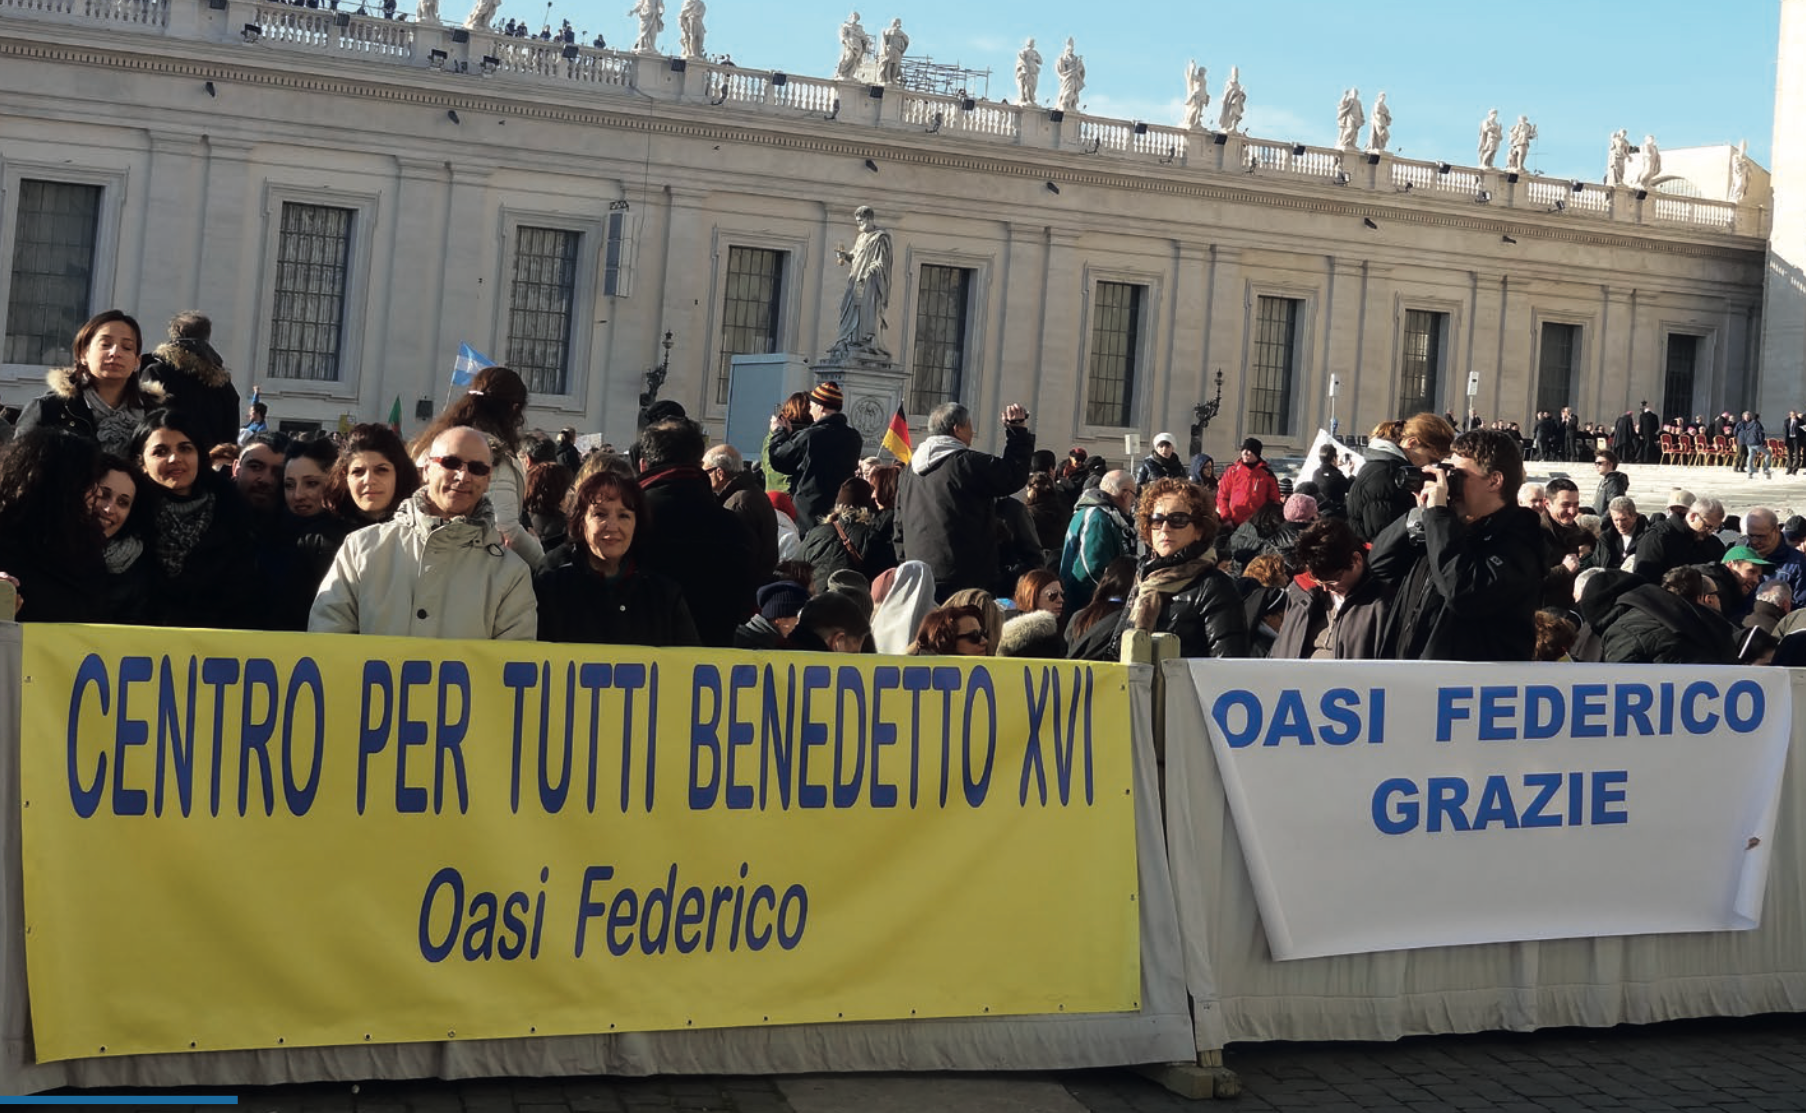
(1028, 73)
(855, 44)
(1380, 126)
(1197, 95)
(1490, 134)
(1651, 164)
(867, 294)
(1235, 101)
(1349, 119)
(892, 43)
(1617, 156)
(1740, 172)
(427, 12)
(1071, 70)
(1522, 133)
(481, 13)
(652, 24)
(690, 30)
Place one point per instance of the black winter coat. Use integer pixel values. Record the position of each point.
(947, 508)
(1332, 491)
(1655, 627)
(700, 544)
(1466, 592)
(218, 586)
(1206, 615)
(1153, 467)
(1671, 544)
(52, 586)
(189, 373)
(819, 457)
(1357, 633)
(863, 549)
(1374, 499)
(64, 407)
(577, 604)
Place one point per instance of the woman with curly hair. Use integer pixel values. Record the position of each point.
(496, 406)
(548, 485)
(1179, 589)
(952, 630)
(374, 475)
(50, 545)
(101, 397)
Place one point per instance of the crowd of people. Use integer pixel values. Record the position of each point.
(131, 492)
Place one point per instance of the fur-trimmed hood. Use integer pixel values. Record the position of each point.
(196, 358)
(63, 383)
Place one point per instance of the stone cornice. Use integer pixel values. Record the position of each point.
(551, 104)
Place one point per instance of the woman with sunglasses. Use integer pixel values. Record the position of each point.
(952, 630)
(1179, 589)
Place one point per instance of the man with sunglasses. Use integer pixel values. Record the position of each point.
(439, 568)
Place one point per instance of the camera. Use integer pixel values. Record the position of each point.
(1411, 479)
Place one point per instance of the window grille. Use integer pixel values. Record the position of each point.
(1555, 367)
(540, 300)
(938, 359)
(1677, 382)
(313, 266)
(1275, 366)
(1115, 354)
(749, 322)
(1421, 371)
(52, 270)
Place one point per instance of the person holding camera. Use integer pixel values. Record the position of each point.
(1387, 484)
(947, 497)
(1467, 562)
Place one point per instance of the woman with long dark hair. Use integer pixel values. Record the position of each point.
(603, 596)
(99, 397)
(49, 542)
(495, 406)
(200, 532)
(374, 475)
(113, 502)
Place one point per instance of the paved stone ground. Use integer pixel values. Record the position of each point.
(1755, 1065)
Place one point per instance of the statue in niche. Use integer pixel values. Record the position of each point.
(1617, 156)
(427, 12)
(893, 43)
(1379, 132)
(867, 294)
(1740, 172)
(1197, 96)
(1651, 167)
(1028, 73)
(690, 29)
(1235, 101)
(1071, 70)
(1349, 119)
(652, 24)
(1490, 134)
(481, 14)
(1522, 133)
(855, 44)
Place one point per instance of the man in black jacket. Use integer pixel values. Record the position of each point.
(1671, 544)
(820, 456)
(691, 537)
(1649, 435)
(946, 499)
(1468, 563)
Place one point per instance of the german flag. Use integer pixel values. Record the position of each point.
(896, 437)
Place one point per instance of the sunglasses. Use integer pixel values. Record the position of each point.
(976, 637)
(1178, 521)
(458, 463)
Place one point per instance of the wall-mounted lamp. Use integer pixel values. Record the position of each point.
(1052, 188)
(1140, 128)
(1442, 168)
(1506, 239)
(436, 59)
(967, 104)
(490, 64)
(1055, 115)
(1578, 185)
(1373, 158)
(1297, 149)
(1512, 177)
(780, 79)
(1483, 196)
(252, 32)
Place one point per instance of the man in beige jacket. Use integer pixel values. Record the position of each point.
(439, 568)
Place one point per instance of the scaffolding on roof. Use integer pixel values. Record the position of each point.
(925, 75)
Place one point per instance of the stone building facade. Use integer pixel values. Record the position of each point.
(352, 198)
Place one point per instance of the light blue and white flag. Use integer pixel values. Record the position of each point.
(468, 363)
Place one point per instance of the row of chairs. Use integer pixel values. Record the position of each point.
(1699, 449)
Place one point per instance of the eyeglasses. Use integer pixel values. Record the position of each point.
(458, 463)
(1179, 520)
(975, 637)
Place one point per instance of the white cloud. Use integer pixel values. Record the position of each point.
(1133, 108)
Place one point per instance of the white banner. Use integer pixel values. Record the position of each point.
(1390, 805)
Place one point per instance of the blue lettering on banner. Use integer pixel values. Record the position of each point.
(1334, 719)
(1596, 799)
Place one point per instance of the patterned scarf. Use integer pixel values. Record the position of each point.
(122, 552)
(1163, 576)
(113, 427)
(180, 525)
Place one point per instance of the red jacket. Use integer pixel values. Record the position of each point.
(1243, 490)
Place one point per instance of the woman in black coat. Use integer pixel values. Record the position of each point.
(194, 380)
(201, 535)
(101, 396)
(602, 596)
(1376, 498)
(1179, 589)
(849, 537)
(49, 542)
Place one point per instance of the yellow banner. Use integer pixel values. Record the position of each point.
(249, 841)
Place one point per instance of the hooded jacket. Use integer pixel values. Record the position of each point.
(418, 575)
(1671, 544)
(1098, 533)
(194, 377)
(1244, 489)
(946, 506)
(1374, 500)
(1154, 466)
(63, 407)
(1653, 626)
(1467, 591)
(1357, 632)
(847, 538)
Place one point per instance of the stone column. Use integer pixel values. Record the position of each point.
(419, 255)
(1784, 293)
(1227, 291)
(231, 241)
(1061, 374)
(1186, 380)
(1370, 377)
(169, 271)
(1608, 390)
(1014, 351)
(1498, 397)
(1340, 329)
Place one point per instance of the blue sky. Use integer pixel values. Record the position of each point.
(1687, 72)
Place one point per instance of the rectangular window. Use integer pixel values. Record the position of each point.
(1677, 382)
(1275, 366)
(313, 266)
(1420, 370)
(52, 269)
(749, 322)
(938, 363)
(1115, 350)
(1555, 367)
(540, 300)
(617, 255)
